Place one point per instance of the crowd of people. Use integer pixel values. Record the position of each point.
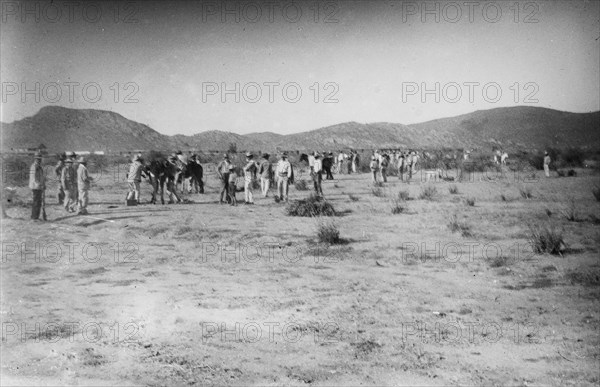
(74, 182)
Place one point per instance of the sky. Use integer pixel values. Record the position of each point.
(287, 67)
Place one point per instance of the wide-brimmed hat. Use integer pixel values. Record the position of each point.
(249, 155)
(137, 157)
(265, 155)
(231, 167)
(284, 154)
(69, 161)
(225, 156)
(37, 155)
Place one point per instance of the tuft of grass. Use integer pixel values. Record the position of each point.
(585, 278)
(301, 185)
(561, 173)
(545, 238)
(428, 193)
(525, 192)
(328, 232)
(504, 198)
(500, 261)
(571, 212)
(378, 184)
(457, 226)
(470, 202)
(354, 198)
(403, 195)
(397, 207)
(596, 193)
(453, 189)
(311, 206)
(378, 192)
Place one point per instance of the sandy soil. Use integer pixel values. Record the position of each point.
(179, 294)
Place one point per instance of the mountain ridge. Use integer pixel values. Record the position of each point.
(60, 128)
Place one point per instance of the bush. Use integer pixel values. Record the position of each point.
(453, 189)
(397, 207)
(570, 212)
(403, 195)
(457, 226)
(327, 232)
(378, 184)
(596, 193)
(311, 206)
(354, 198)
(428, 193)
(545, 239)
(301, 185)
(571, 173)
(525, 192)
(470, 202)
(378, 192)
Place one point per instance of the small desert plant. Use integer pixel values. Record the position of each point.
(571, 173)
(596, 193)
(525, 192)
(378, 192)
(403, 195)
(301, 185)
(428, 193)
(311, 206)
(545, 239)
(504, 198)
(470, 202)
(453, 189)
(327, 232)
(397, 207)
(561, 173)
(378, 184)
(570, 212)
(354, 198)
(457, 226)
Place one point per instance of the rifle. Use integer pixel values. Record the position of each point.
(44, 205)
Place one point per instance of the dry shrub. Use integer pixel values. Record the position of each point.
(311, 206)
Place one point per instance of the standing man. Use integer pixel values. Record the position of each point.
(547, 162)
(327, 164)
(374, 168)
(317, 175)
(503, 157)
(284, 171)
(311, 162)
(383, 166)
(172, 172)
(37, 184)
(58, 171)
(68, 182)
(83, 185)
(340, 159)
(401, 166)
(250, 170)
(134, 178)
(265, 171)
(223, 173)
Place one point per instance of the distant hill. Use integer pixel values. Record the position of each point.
(61, 129)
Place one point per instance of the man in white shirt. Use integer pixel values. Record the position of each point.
(317, 175)
(340, 159)
(311, 161)
(283, 171)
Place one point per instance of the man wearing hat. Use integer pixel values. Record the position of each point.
(327, 164)
(83, 184)
(134, 178)
(232, 181)
(374, 166)
(250, 170)
(37, 184)
(317, 175)
(223, 173)
(284, 172)
(58, 172)
(265, 171)
(68, 182)
(547, 162)
(171, 173)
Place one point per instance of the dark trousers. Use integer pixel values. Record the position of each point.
(328, 172)
(225, 188)
(37, 203)
(317, 179)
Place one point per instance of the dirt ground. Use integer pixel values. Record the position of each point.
(202, 293)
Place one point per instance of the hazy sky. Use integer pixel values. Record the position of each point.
(173, 62)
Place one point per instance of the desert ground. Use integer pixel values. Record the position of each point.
(202, 293)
